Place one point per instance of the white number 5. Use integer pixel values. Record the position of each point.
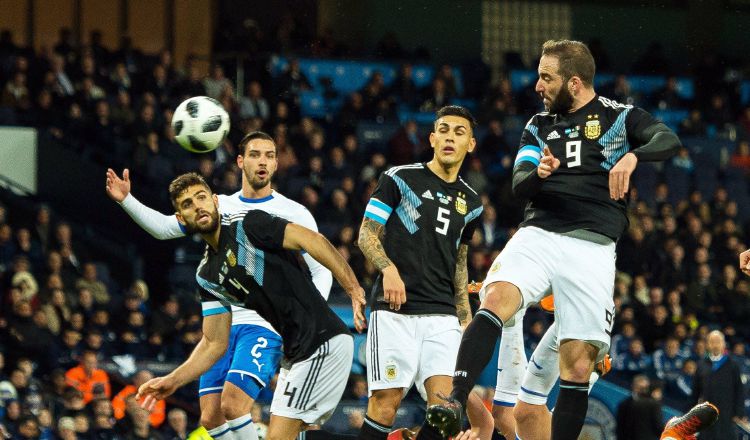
(573, 150)
(443, 216)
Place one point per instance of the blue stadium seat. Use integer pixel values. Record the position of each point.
(422, 75)
(602, 79)
(313, 104)
(671, 117)
(646, 84)
(373, 136)
(519, 79)
(745, 92)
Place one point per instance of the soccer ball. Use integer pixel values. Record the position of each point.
(200, 124)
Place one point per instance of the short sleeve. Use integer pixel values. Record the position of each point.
(384, 199)
(473, 220)
(530, 147)
(264, 230)
(211, 305)
(637, 123)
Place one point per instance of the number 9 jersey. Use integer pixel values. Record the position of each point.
(426, 219)
(588, 143)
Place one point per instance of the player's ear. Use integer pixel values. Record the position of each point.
(216, 200)
(240, 160)
(432, 139)
(472, 144)
(180, 218)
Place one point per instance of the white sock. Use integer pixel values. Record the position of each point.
(243, 427)
(222, 432)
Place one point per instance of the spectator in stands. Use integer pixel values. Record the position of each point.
(639, 416)
(7, 247)
(406, 145)
(668, 361)
(254, 105)
(668, 97)
(403, 88)
(158, 413)
(633, 361)
(88, 378)
(90, 282)
(719, 113)
(436, 96)
(694, 124)
(741, 156)
(619, 89)
(683, 161)
(701, 295)
(718, 381)
(217, 82)
(66, 429)
(176, 427)
(292, 81)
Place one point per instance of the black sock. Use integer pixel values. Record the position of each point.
(322, 434)
(477, 346)
(427, 432)
(570, 410)
(372, 430)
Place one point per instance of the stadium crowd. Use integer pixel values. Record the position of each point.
(62, 318)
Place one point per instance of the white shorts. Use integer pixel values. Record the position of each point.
(311, 389)
(403, 350)
(580, 273)
(511, 363)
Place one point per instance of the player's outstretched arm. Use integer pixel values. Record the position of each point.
(211, 347)
(369, 242)
(160, 226)
(461, 287)
(745, 262)
(298, 237)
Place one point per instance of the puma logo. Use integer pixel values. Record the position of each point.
(260, 366)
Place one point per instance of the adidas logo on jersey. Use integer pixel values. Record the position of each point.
(427, 195)
(553, 135)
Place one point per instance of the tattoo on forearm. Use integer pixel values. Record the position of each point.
(460, 286)
(370, 235)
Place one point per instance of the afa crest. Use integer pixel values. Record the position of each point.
(391, 372)
(231, 258)
(461, 204)
(593, 128)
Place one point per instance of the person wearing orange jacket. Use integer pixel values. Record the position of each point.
(88, 378)
(119, 403)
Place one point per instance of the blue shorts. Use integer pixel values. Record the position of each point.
(251, 360)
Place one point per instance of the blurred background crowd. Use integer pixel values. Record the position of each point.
(77, 337)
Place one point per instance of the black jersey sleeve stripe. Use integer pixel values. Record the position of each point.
(324, 353)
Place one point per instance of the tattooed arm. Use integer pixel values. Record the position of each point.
(370, 235)
(460, 286)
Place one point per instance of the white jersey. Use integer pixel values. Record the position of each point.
(164, 227)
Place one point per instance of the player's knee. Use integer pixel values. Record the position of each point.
(503, 299)
(211, 418)
(578, 370)
(235, 404)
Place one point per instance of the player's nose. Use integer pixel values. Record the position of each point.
(539, 87)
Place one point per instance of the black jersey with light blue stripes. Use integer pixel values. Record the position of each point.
(251, 269)
(588, 142)
(426, 219)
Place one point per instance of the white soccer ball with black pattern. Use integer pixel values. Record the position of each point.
(200, 124)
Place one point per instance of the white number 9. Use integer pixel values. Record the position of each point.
(573, 150)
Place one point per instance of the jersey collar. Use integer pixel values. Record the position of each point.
(260, 200)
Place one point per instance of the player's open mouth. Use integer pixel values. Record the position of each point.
(262, 173)
(202, 217)
(448, 150)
